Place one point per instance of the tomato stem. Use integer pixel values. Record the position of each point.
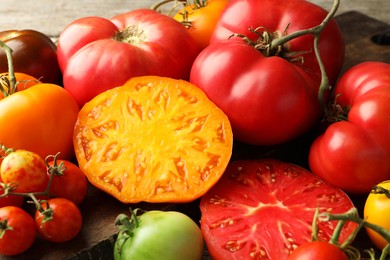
(352, 215)
(380, 190)
(11, 83)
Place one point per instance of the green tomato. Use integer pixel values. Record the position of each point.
(158, 235)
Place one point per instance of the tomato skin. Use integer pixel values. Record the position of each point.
(263, 209)
(25, 81)
(202, 20)
(161, 235)
(146, 43)
(23, 234)
(34, 53)
(71, 185)
(358, 147)
(319, 250)
(25, 169)
(66, 222)
(377, 211)
(269, 100)
(39, 119)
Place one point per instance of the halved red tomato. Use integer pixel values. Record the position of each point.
(264, 209)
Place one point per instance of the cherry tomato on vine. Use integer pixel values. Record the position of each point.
(17, 231)
(68, 181)
(318, 250)
(26, 170)
(11, 200)
(34, 53)
(377, 211)
(200, 18)
(66, 221)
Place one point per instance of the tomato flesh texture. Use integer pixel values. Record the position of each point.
(264, 209)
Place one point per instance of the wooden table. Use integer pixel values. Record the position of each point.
(99, 210)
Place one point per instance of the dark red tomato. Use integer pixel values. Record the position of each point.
(68, 181)
(65, 224)
(354, 154)
(10, 200)
(270, 98)
(263, 209)
(318, 250)
(97, 54)
(19, 231)
(34, 53)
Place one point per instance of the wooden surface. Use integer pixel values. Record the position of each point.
(99, 210)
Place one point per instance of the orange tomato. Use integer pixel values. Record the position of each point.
(153, 139)
(24, 81)
(39, 119)
(200, 18)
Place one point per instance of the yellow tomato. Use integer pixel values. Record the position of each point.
(377, 211)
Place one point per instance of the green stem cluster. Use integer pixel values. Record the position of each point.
(10, 82)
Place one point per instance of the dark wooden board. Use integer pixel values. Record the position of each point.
(100, 210)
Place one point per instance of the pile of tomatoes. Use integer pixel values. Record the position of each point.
(272, 68)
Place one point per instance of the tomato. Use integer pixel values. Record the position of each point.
(142, 42)
(354, 153)
(65, 224)
(18, 231)
(377, 211)
(154, 139)
(318, 250)
(159, 235)
(265, 208)
(34, 53)
(270, 98)
(200, 19)
(23, 81)
(68, 181)
(10, 200)
(26, 170)
(39, 119)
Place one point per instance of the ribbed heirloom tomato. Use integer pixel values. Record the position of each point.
(268, 90)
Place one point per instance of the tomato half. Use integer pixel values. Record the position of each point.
(98, 54)
(377, 211)
(159, 235)
(39, 119)
(354, 152)
(34, 53)
(270, 96)
(263, 209)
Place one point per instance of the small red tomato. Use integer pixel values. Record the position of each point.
(18, 231)
(318, 250)
(68, 181)
(26, 170)
(65, 224)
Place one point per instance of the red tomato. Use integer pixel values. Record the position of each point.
(354, 154)
(318, 250)
(97, 54)
(65, 224)
(34, 53)
(26, 170)
(10, 200)
(68, 181)
(269, 98)
(19, 231)
(265, 208)
(39, 119)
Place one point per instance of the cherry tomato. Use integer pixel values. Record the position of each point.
(66, 220)
(140, 42)
(68, 181)
(18, 231)
(354, 152)
(318, 250)
(377, 211)
(159, 235)
(263, 209)
(26, 170)
(200, 19)
(34, 53)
